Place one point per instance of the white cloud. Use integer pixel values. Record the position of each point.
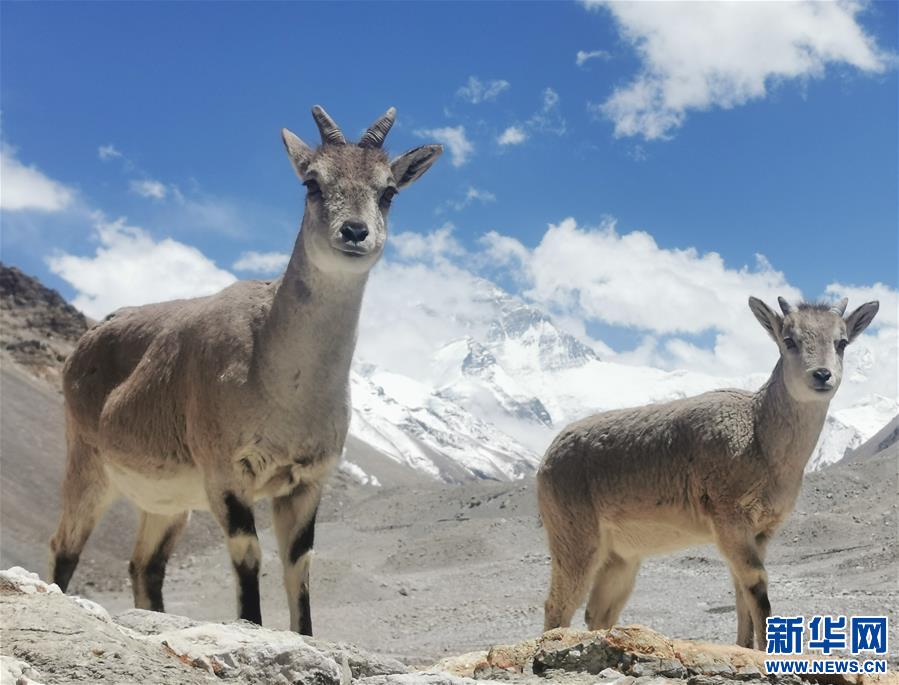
(513, 135)
(261, 262)
(688, 309)
(461, 149)
(150, 188)
(584, 56)
(477, 91)
(430, 247)
(700, 55)
(629, 281)
(129, 267)
(418, 301)
(471, 196)
(549, 117)
(108, 152)
(888, 315)
(25, 188)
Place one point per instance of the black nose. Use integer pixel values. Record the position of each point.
(822, 375)
(354, 231)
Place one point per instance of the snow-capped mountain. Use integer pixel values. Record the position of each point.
(846, 429)
(412, 424)
(492, 401)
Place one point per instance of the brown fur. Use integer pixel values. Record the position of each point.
(722, 467)
(215, 402)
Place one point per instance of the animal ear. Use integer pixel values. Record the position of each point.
(771, 322)
(410, 165)
(300, 154)
(858, 320)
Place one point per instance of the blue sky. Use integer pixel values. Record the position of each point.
(191, 97)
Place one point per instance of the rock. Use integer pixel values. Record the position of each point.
(362, 664)
(152, 622)
(464, 665)
(611, 673)
(250, 653)
(17, 672)
(92, 608)
(425, 678)
(18, 580)
(63, 642)
(748, 672)
(588, 656)
(623, 655)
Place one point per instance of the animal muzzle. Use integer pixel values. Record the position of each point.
(822, 379)
(353, 232)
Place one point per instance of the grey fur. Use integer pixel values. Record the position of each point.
(217, 401)
(723, 467)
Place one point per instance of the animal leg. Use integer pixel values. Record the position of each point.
(744, 615)
(234, 512)
(294, 522)
(612, 586)
(86, 493)
(745, 556)
(157, 535)
(574, 548)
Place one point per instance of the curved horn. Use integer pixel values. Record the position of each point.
(840, 307)
(331, 133)
(374, 136)
(785, 306)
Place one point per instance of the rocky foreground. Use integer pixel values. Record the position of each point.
(49, 637)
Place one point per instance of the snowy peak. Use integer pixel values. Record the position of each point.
(518, 325)
(847, 429)
(471, 375)
(410, 423)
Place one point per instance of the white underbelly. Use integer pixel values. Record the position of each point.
(171, 494)
(184, 490)
(646, 538)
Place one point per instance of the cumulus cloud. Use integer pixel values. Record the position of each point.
(460, 147)
(628, 280)
(262, 262)
(513, 135)
(584, 56)
(687, 309)
(108, 152)
(130, 267)
(477, 91)
(436, 246)
(859, 294)
(26, 188)
(150, 188)
(701, 55)
(418, 299)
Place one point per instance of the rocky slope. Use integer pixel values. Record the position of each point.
(38, 328)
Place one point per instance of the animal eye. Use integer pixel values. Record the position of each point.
(312, 188)
(841, 345)
(387, 196)
(790, 343)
